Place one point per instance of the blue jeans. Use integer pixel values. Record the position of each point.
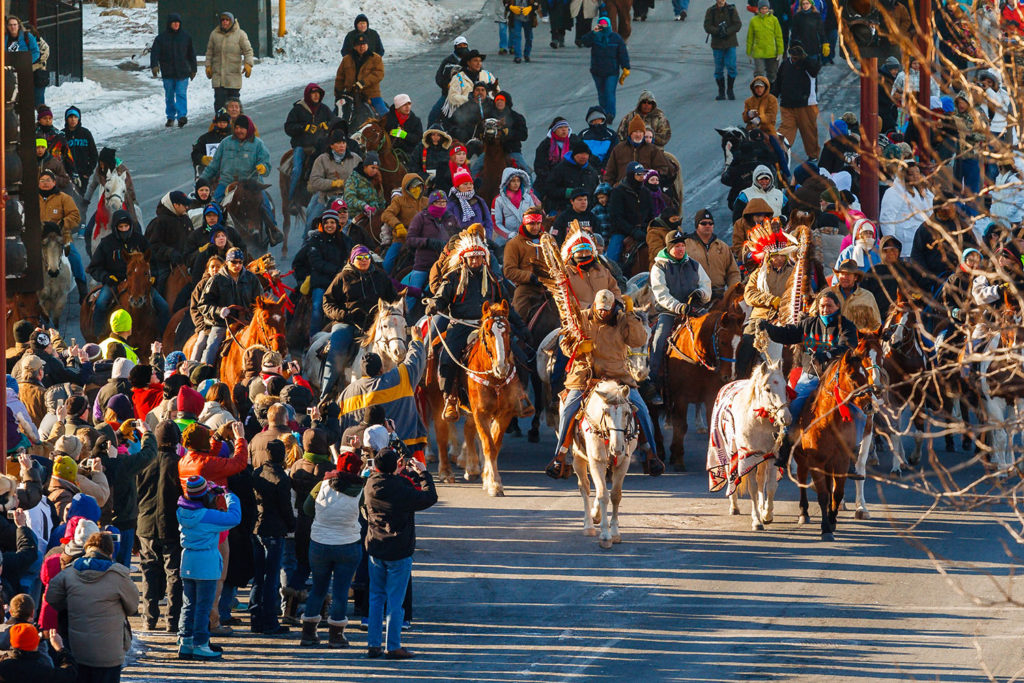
(724, 60)
(123, 555)
(519, 29)
(683, 6)
(388, 580)
(391, 255)
(214, 337)
(176, 97)
(342, 336)
(267, 552)
(435, 111)
(606, 93)
(379, 106)
(316, 319)
(218, 196)
(333, 567)
(298, 157)
(415, 278)
(614, 250)
(106, 301)
(502, 35)
(227, 601)
(662, 331)
(198, 597)
(75, 259)
(805, 386)
(574, 401)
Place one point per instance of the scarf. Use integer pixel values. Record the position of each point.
(557, 150)
(515, 197)
(453, 167)
(402, 118)
(464, 197)
(337, 158)
(316, 458)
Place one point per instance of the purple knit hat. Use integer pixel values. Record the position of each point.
(357, 251)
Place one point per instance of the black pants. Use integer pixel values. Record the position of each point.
(745, 355)
(583, 26)
(221, 95)
(448, 369)
(99, 674)
(161, 575)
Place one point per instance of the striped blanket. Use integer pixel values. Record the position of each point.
(727, 463)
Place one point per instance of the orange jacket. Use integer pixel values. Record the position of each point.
(213, 468)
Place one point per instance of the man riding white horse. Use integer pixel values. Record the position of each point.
(611, 328)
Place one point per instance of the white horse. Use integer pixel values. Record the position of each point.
(114, 197)
(747, 423)
(57, 280)
(605, 439)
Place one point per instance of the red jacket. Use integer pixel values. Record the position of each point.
(213, 467)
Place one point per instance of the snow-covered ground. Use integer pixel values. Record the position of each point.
(134, 100)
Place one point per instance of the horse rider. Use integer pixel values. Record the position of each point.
(58, 207)
(349, 303)
(764, 291)
(108, 162)
(306, 125)
(109, 268)
(230, 294)
(167, 234)
(521, 257)
(243, 156)
(612, 328)
(459, 302)
(677, 283)
(955, 298)
(328, 252)
(713, 255)
(120, 330)
(360, 74)
(855, 303)
(822, 337)
(330, 172)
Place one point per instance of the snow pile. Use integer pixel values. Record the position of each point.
(105, 28)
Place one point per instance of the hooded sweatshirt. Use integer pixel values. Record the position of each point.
(81, 144)
(773, 196)
(509, 206)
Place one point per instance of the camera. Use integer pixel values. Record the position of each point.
(10, 514)
(116, 538)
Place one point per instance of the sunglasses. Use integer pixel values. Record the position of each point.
(363, 257)
(706, 223)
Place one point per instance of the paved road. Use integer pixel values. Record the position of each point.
(509, 590)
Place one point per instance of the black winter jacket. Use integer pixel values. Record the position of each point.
(354, 293)
(18, 561)
(516, 124)
(168, 235)
(83, 150)
(173, 52)
(794, 82)
(391, 503)
(211, 137)
(108, 259)
(303, 115)
(328, 255)
(469, 304)
(413, 131)
(224, 290)
(448, 68)
(159, 488)
(629, 208)
(273, 489)
(37, 667)
(122, 474)
(821, 343)
(566, 176)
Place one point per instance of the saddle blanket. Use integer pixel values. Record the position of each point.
(727, 463)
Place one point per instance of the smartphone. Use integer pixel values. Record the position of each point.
(116, 538)
(310, 411)
(10, 514)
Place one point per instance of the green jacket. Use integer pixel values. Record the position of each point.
(360, 192)
(764, 37)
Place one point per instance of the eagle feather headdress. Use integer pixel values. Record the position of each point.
(470, 241)
(557, 283)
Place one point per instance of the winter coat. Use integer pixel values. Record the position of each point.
(82, 146)
(1007, 198)
(259, 451)
(394, 391)
(716, 260)
(404, 136)
(336, 513)
(372, 37)
(60, 208)
(158, 490)
(902, 211)
(215, 415)
(24, 42)
(933, 252)
(600, 139)
(517, 263)
(772, 200)
(425, 227)
(586, 282)
(821, 342)
(214, 136)
(391, 502)
(560, 228)
(237, 160)
(809, 28)
(303, 115)
(722, 24)
(479, 213)
(445, 71)
(367, 69)
(648, 154)
(37, 667)
(766, 106)
(167, 234)
(608, 53)
(763, 288)
(629, 207)
(362, 191)
(121, 472)
(18, 561)
(107, 265)
(326, 169)
(353, 293)
(31, 394)
(429, 157)
(273, 490)
(764, 37)
(200, 534)
(225, 52)
(305, 473)
(673, 281)
(885, 281)
(796, 83)
(565, 177)
(516, 131)
(173, 52)
(858, 306)
(402, 210)
(611, 346)
(327, 255)
(654, 119)
(507, 216)
(460, 87)
(468, 304)
(465, 121)
(99, 596)
(224, 290)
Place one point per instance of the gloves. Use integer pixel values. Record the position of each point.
(261, 169)
(310, 128)
(338, 182)
(622, 78)
(526, 10)
(534, 280)
(209, 70)
(515, 9)
(826, 50)
(399, 232)
(639, 235)
(629, 303)
(225, 312)
(398, 133)
(248, 70)
(304, 288)
(435, 244)
(1003, 286)
(156, 71)
(369, 211)
(776, 302)
(585, 346)
(680, 309)
(113, 279)
(205, 161)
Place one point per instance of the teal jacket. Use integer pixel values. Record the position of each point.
(237, 160)
(764, 37)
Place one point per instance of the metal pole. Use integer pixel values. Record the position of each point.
(3, 258)
(281, 15)
(869, 141)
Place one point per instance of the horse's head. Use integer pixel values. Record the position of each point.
(115, 190)
(638, 359)
(138, 280)
(496, 337)
(372, 135)
(492, 131)
(53, 248)
(770, 400)
(243, 200)
(268, 324)
(609, 416)
(389, 336)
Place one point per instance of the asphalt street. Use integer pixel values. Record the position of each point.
(509, 589)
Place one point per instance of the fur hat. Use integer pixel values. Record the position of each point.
(197, 438)
(271, 360)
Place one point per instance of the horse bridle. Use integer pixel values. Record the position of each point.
(377, 149)
(483, 342)
(718, 358)
(601, 431)
(387, 340)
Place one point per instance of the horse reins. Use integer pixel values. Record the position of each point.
(714, 346)
(476, 375)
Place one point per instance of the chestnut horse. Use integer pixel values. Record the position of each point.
(134, 295)
(828, 440)
(178, 285)
(376, 139)
(22, 306)
(495, 161)
(701, 359)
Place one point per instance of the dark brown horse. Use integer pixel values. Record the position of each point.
(495, 161)
(376, 139)
(293, 205)
(134, 295)
(22, 306)
(243, 200)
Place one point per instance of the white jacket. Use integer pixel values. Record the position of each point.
(1001, 105)
(902, 213)
(1008, 199)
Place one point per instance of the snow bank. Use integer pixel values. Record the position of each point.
(310, 52)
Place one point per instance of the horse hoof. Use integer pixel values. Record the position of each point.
(803, 519)
(757, 526)
(616, 539)
(590, 532)
(496, 492)
(734, 511)
(861, 514)
(450, 479)
(828, 536)
(768, 520)
(605, 543)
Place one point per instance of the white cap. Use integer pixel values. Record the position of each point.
(604, 300)
(375, 437)
(401, 99)
(460, 40)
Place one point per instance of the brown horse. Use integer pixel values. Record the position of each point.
(134, 295)
(243, 200)
(701, 360)
(178, 282)
(376, 139)
(495, 161)
(22, 306)
(828, 438)
(293, 205)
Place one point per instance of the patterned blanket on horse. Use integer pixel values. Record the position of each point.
(727, 463)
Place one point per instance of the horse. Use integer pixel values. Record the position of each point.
(375, 139)
(134, 295)
(700, 361)
(113, 197)
(243, 201)
(828, 438)
(603, 442)
(747, 424)
(57, 280)
(495, 160)
(293, 205)
(22, 306)
(178, 283)
(1001, 385)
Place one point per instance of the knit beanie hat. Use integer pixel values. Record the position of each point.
(461, 176)
(195, 487)
(350, 463)
(168, 435)
(68, 445)
(24, 637)
(190, 401)
(65, 468)
(121, 406)
(201, 372)
(435, 196)
(579, 147)
(315, 441)
(636, 124)
(140, 375)
(83, 530)
(197, 438)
